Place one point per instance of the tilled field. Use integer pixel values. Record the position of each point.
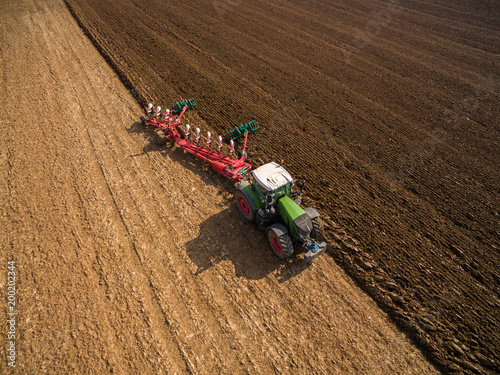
(389, 110)
(133, 259)
(139, 262)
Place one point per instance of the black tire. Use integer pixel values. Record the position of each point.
(182, 131)
(318, 232)
(280, 241)
(244, 206)
(160, 138)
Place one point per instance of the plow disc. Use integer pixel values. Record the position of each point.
(179, 106)
(240, 131)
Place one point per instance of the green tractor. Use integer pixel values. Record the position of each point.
(272, 199)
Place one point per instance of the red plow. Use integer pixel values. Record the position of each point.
(225, 163)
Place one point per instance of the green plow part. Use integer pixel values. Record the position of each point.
(179, 106)
(243, 171)
(240, 131)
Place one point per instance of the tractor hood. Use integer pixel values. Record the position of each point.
(295, 217)
(303, 224)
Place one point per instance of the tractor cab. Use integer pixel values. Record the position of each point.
(271, 180)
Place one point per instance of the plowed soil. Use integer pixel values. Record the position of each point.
(133, 259)
(389, 109)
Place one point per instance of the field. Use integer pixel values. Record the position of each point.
(133, 257)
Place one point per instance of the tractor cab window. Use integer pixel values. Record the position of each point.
(261, 188)
(281, 192)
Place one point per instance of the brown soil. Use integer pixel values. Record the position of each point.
(389, 109)
(132, 259)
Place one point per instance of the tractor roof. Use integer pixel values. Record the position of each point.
(272, 176)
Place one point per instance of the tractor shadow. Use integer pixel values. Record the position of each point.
(226, 236)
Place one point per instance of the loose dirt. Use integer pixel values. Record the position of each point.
(132, 258)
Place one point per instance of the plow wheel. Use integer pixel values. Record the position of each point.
(280, 241)
(318, 232)
(160, 138)
(182, 131)
(244, 206)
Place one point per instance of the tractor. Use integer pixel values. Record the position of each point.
(272, 198)
(267, 195)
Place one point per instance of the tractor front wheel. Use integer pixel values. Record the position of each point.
(244, 206)
(318, 232)
(280, 241)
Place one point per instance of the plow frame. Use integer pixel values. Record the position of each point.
(229, 166)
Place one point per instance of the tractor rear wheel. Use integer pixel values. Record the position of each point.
(280, 241)
(244, 206)
(318, 232)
